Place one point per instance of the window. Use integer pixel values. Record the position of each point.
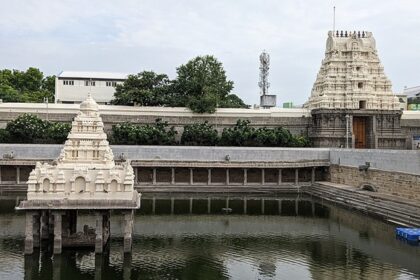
(111, 84)
(360, 85)
(358, 68)
(362, 104)
(68, 83)
(90, 83)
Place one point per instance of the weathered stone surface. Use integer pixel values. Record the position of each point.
(392, 183)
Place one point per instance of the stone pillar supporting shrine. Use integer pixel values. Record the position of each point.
(84, 178)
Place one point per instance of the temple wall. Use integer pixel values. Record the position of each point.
(391, 172)
(393, 183)
(298, 121)
(386, 160)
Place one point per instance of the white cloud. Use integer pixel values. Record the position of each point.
(130, 36)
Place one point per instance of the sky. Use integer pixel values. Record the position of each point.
(130, 36)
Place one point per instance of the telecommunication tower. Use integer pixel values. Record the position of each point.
(266, 100)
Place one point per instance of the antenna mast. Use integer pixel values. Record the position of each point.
(266, 100)
(334, 20)
(264, 67)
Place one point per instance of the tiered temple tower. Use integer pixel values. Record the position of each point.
(352, 103)
(84, 177)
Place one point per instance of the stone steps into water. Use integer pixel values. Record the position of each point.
(390, 210)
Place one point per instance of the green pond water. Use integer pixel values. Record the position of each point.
(308, 241)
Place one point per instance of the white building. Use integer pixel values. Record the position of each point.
(73, 87)
(412, 91)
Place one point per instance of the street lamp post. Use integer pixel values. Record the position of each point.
(46, 103)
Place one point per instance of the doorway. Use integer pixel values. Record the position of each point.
(359, 132)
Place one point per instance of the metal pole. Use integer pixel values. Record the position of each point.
(46, 103)
(347, 131)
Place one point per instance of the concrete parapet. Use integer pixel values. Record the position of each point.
(386, 160)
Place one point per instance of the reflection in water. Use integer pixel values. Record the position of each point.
(301, 241)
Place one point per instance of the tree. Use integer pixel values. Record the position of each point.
(199, 134)
(26, 86)
(203, 80)
(9, 94)
(30, 80)
(203, 104)
(145, 89)
(232, 101)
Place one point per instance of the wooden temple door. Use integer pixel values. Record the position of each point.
(359, 132)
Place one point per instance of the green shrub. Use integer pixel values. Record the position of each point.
(242, 134)
(4, 136)
(29, 128)
(199, 134)
(132, 134)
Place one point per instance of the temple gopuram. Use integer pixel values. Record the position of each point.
(352, 104)
(83, 178)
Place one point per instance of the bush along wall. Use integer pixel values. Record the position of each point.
(204, 134)
(132, 134)
(29, 128)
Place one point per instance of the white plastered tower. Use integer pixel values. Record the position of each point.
(351, 75)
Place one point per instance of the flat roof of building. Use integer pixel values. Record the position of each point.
(412, 91)
(93, 75)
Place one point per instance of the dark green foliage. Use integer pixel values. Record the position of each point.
(203, 80)
(144, 89)
(57, 132)
(199, 134)
(28, 128)
(242, 134)
(203, 104)
(9, 94)
(26, 86)
(201, 85)
(4, 136)
(232, 101)
(132, 134)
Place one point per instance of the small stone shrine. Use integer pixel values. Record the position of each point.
(352, 103)
(84, 177)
